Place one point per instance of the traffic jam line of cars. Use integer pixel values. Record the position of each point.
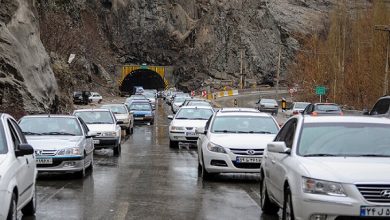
(59, 144)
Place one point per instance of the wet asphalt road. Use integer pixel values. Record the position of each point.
(148, 181)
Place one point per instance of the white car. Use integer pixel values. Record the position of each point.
(95, 97)
(123, 115)
(328, 168)
(297, 107)
(104, 123)
(62, 143)
(17, 171)
(177, 102)
(183, 126)
(233, 141)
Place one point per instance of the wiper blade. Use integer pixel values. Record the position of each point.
(199, 118)
(57, 133)
(370, 155)
(332, 110)
(225, 131)
(99, 123)
(31, 133)
(256, 132)
(181, 118)
(322, 155)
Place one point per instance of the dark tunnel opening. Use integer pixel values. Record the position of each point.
(148, 79)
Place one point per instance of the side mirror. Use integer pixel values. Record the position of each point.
(91, 134)
(278, 147)
(200, 131)
(24, 149)
(366, 112)
(170, 117)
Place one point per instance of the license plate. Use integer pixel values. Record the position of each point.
(248, 160)
(191, 134)
(375, 211)
(138, 118)
(44, 161)
(96, 141)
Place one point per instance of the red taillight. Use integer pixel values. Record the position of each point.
(314, 113)
(295, 112)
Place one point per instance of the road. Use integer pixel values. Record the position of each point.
(148, 181)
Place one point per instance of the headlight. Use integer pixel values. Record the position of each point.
(315, 186)
(148, 115)
(69, 151)
(216, 148)
(109, 133)
(174, 128)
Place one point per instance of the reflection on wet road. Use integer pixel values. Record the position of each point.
(148, 181)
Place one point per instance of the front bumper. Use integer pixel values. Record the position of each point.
(306, 205)
(183, 136)
(105, 142)
(226, 163)
(143, 118)
(67, 164)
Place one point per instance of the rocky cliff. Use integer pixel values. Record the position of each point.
(27, 82)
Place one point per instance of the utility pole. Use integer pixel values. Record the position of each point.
(241, 74)
(385, 28)
(278, 72)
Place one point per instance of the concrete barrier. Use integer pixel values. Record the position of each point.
(223, 94)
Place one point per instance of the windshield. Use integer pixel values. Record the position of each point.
(140, 107)
(50, 126)
(244, 124)
(149, 95)
(194, 114)
(301, 105)
(96, 117)
(269, 101)
(3, 141)
(344, 139)
(180, 99)
(135, 97)
(116, 109)
(198, 104)
(327, 108)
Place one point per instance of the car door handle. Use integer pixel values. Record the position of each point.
(273, 161)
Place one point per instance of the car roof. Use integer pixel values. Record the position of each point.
(241, 113)
(49, 116)
(238, 110)
(201, 107)
(345, 119)
(118, 104)
(93, 110)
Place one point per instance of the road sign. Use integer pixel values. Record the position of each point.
(320, 90)
(204, 94)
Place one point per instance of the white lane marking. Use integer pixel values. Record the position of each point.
(122, 210)
(54, 194)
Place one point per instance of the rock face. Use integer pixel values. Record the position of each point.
(27, 82)
(202, 38)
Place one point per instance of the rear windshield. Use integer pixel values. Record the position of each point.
(270, 101)
(327, 108)
(244, 124)
(301, 105)
(96, 117)
(198, 103)
(180, 99)
(3, 141)
(50, 126)
(140, 107)
(116, 109)
(344, 139)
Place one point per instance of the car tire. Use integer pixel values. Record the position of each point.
(31, 206)
(131, 130)
(152, 122)
(173, 144)
(117, 150)
(288, 211)
(265, 203)
(90, 167)
(13, 212)
(128, 131)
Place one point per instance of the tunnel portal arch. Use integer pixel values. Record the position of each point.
(146, 78)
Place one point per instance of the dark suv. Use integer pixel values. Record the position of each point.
(81, 97)
(381, 108)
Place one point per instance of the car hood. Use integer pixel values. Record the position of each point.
(347, 169)
(102, 127)
(189, 123)
(121, 116)
(178, 103)
(53, 141)
(244, 141)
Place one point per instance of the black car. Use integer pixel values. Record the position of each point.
(316, 109)
(81, 97)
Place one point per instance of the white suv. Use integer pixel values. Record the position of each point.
(17, 171)
(234, 140)
(328, 168)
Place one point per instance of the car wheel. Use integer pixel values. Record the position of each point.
(117, 150)
(131, 130)
(151, 122)
(128, 130)
(90, 167)
(288, 211)
(266, 205)
(13, 212)
(31, 206)
(173, 144)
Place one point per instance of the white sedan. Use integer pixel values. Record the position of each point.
(328, 168)
(183, 126)
(17, 171)
(95, 97)
(234, 140)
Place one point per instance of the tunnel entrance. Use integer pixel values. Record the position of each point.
(146, 78)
